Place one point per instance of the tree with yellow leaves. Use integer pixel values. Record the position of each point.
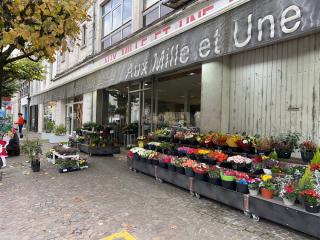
(37, 29)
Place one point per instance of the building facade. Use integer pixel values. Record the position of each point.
(225, 65)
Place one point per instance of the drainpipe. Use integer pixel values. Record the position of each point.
(93, 27)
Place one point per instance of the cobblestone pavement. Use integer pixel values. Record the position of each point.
(107, 198)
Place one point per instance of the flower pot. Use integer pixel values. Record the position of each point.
(258, 172)
(163, 165)
(202, 159)
(234, 149)
(180, 170)
(288, 202)
(35, 165)
(171, 167)
(312, 209)
(286, 154)
(240, 167)
(253, 192)
(231, 185)
(201, 176)
(193, 156)
(189, 172)
(215, 181)
(266, 193)
(242, 188)
(307, 156)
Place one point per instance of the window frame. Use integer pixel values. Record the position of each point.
(124, 23)
(150, 9)
(84, 35)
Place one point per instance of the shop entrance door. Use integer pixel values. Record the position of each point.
(74, 116)
(141, 106)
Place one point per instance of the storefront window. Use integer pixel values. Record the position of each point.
(116, 21)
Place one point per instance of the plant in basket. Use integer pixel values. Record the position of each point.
(188, 165)
(254, 186)
(267, 187)
(201, 171)
(307, 150)
(214, 175)
(311, 200)
(240, 163)
(285, 144)
(263, 145)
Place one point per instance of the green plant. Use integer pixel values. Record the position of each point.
(65, 164)
(316, 158)
(287, 141)
(32, 148)
(307, 181)
(50, 126)
(214, 173)
(60, 130)
(49, 154)
(92, 126)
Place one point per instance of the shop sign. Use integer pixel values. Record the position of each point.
(213, 8)
(249, 26)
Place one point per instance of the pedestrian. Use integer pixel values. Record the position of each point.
(20, 124)
(3, 152)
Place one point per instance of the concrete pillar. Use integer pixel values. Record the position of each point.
(94, 106)
(40, 117)
(215, 94)
(137, 18)
(87, 107)
(102, 101)
(60, 113)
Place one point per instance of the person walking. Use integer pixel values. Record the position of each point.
(20, 124)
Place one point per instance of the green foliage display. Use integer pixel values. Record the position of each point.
(60, 130)
(307, 181)
(316, 158)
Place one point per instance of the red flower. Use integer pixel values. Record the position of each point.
(310, 193)
(315, 167)
(289, 189)
(257, 160)
(130, 154)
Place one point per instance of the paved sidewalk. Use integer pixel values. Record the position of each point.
(106, 199)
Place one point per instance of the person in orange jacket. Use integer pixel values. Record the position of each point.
(20, 124)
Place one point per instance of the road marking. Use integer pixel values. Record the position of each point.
(124, 235)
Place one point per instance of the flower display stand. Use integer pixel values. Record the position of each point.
(174, 178)
(294, 217)
(95, 150)
(219, 194)
(146, 168)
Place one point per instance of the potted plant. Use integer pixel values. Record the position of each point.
(228, 179)
(285, 144)
(242, 183)
(83, 163)
(267, 187)
(246, 143)
(49, 156)
(307, 150)
(311, 200)
(188, 165)
(32, 148)
(60, 130)
(214, 175)
(263, 146)
(289, 195)
(254, 186)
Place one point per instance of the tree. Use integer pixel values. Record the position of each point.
(17, 72)
(37, 29)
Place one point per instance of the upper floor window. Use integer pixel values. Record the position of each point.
(153, 10)
(116, 21)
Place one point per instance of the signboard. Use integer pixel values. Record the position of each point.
(254, 24)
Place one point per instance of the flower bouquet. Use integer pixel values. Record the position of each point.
(177, 162)
(246, 143)
(188, 165)
(220, 157)
(263, 146)
(267, 187)
(202, 155)
(240, 163)
(201, 171)
(220, 140)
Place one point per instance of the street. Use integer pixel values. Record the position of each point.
(107, 199)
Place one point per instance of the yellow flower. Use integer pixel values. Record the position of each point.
(203, 151)
(266, 178)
